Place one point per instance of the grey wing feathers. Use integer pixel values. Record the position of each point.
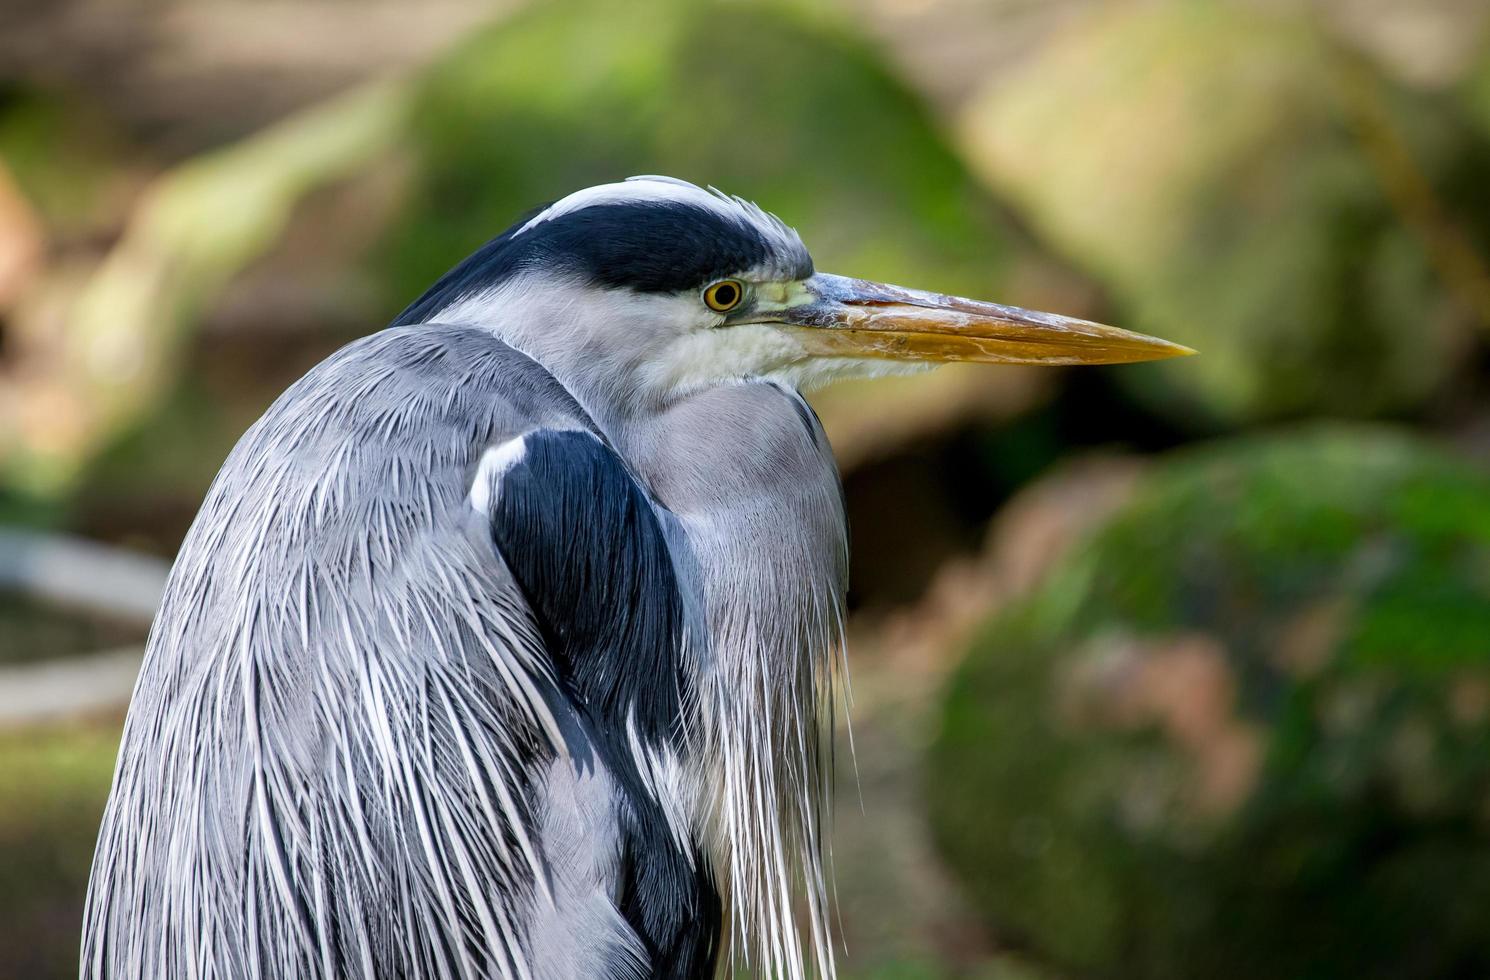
(331, 763)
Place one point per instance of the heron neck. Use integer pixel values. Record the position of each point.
(574, 335)
(750, 478)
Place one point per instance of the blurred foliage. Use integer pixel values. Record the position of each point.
(66, 157)
(997, 968)
(1246, 188)
(114, 344)
(769, 101)
(53, 783)
(1246, 732)
(36, 631)
(1476, 89)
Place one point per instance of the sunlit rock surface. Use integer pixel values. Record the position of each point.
(1244, 185)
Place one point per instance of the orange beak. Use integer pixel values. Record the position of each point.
(858, 318)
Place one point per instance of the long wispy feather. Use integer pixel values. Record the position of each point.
(328, 766)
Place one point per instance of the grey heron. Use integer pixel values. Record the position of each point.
(502, 645)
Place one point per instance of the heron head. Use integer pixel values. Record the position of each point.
(654, 287)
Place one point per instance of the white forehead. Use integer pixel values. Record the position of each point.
(671, 190)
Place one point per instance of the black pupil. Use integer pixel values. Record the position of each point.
(725, 294)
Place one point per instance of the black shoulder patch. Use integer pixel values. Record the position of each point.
(587, 549)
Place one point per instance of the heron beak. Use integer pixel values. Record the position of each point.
(856, 318)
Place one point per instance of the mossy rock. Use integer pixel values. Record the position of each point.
(771, 102)
(1243, 186)
(1245, 733)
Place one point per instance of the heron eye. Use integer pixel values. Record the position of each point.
(724, 295)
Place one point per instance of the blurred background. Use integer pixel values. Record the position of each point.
(1165, 671)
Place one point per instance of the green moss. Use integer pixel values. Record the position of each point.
(1246, 731)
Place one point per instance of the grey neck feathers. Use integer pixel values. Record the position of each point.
(749, 475)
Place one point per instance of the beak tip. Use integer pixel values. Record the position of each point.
(1158, 349)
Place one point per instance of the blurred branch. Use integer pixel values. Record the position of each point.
(56, 689)
(103, 353)
(85, 575)
(94, 579)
